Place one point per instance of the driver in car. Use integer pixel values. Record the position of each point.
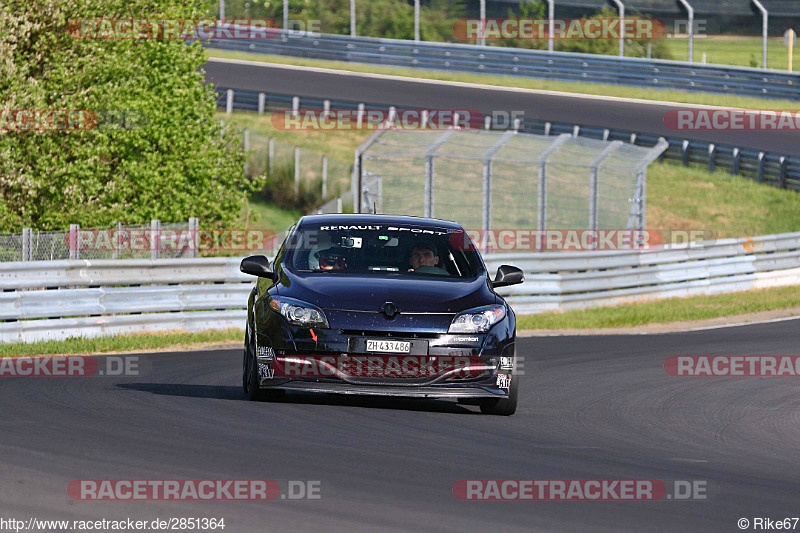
(424, 259)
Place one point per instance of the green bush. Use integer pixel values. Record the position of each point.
(172, 161)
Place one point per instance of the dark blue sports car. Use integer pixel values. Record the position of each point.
(381, 305)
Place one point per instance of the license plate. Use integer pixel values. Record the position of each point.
(388, 346)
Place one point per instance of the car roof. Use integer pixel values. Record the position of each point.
(365, 219)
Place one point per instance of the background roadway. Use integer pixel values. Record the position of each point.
(573, 109)
(590, 407)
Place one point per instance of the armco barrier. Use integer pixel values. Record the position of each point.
(60, 299)
(765, 167)
(561, 66)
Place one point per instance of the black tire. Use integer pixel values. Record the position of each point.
(250, 381)
(502, 406)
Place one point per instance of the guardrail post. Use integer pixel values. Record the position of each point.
(606, 133)
(712, 152)
(271, 155)
(74, 239)
(547, 126)
(194, 230)
(761, 162)
(296, 172)
(576, 130)
(685, 153)
(262, 101)
(27, 238)
(360, 116)
(339, 204)
(783, 171)
(737, 157)
(229, 102)
(487, 122)
(155, 238)
(326, 108)
(324, 177)
(295, 105)
(633, 138)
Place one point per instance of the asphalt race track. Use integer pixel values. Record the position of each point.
(577, 109)
(590, 408)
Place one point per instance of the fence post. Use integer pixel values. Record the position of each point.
(74, 236)
(229, 103)
(155, 238)
(339, 204)
(271, 155)
(712, 152)
(761, 162)
(296, 172)
(262, 100)
(324, 177)
(429, 170)
(117, 245)
(27, 237)
(595, 182)
(194, 230)
(541, 218)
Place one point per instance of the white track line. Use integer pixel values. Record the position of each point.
(428, 81)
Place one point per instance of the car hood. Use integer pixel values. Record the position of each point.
(369, 292)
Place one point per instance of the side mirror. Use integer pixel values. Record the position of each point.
(257, 265)
(508, 275)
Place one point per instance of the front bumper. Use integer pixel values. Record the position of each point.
(387, 390)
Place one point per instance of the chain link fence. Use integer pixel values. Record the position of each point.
(490, 179)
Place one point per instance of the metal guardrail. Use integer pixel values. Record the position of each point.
(774, 169)
(560, 66)
(61, 299)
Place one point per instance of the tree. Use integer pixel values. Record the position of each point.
(156, 151)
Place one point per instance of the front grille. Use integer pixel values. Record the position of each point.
(393, 334)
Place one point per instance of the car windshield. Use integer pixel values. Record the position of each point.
(383, 249)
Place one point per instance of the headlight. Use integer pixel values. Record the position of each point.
(298, 313)
(477, 320)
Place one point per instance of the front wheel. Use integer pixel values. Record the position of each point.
(502, 406)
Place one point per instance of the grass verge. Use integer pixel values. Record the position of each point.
(125, 343)
(525, 83)
(665, 311)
